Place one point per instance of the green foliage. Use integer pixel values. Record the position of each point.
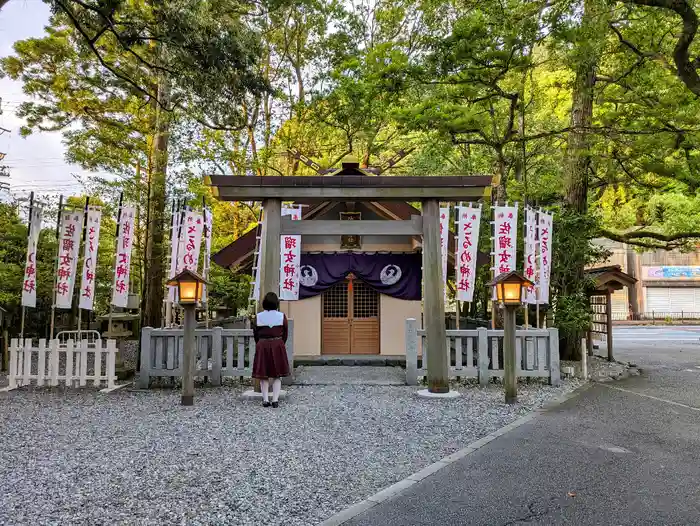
(572, 249)
(471, 88)
(229, 291)
(13, 239)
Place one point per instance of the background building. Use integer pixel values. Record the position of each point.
(668, 282)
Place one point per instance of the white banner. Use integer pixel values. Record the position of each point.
(505, 241)
(92, 241)
(290, 250)
(68, 249)
(530, 254)
(174, 244)
(208, 225)
(122, 267)
(444, 238)
(190, 241)
(545, 232)
(468, 222)
(29, 282)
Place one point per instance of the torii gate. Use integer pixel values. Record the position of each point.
(353, 184)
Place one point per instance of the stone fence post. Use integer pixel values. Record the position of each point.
(217, 349)
(146, 358)
(412, 352)
(289, 344)
(483, 360)
(554, 373)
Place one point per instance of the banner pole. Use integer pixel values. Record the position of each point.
(205, 262)
(525, 253)
(55, 266)
(85, 226)
(116, 256)
(29, 234)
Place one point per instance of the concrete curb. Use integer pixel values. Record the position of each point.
(395, 490)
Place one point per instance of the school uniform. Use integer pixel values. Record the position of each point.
(270, 333)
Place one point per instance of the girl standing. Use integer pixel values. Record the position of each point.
(270, 363)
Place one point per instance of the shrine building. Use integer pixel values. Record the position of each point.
(362, 260)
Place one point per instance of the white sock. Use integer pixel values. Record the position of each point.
(265, 389)
(276, 388)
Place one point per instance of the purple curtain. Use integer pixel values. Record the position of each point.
(396, 275)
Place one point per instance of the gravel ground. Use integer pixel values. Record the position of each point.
(134, 457)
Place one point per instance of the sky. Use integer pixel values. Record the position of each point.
(37, 162)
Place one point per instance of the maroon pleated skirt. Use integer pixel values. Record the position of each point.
(270, 359)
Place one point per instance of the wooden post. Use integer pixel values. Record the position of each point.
(270, 268)
(608, 315)
(269, 258)
(634, 292)
(510, 379)
(188, 356)
(434, 300)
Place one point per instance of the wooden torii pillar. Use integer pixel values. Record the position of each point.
(352, 184)
(434, 300)
(270, 247)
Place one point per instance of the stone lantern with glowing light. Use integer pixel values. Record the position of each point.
(509, 293)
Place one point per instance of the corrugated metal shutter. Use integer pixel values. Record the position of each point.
(658, 300)
(683, 300)
(673, 300)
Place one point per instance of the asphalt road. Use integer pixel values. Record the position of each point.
(626, 453)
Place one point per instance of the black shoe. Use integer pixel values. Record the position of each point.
(266, 404)
(275, 404)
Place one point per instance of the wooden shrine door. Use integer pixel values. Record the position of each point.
(350, 318)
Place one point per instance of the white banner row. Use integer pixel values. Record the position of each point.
(537, 254)
(189, 229)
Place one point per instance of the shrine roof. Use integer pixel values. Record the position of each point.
(343, 187)
(610, 277)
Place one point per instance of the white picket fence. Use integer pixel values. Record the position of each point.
(479, 354)
(71, 363)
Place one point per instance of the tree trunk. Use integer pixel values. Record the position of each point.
(578, 158)
(499, 192)
(153, 300)
(577, 153)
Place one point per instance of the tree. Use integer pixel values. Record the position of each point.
(123, 128)
(210, 55)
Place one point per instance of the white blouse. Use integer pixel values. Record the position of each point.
(270, 318)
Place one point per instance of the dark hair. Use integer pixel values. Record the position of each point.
(271, 301)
